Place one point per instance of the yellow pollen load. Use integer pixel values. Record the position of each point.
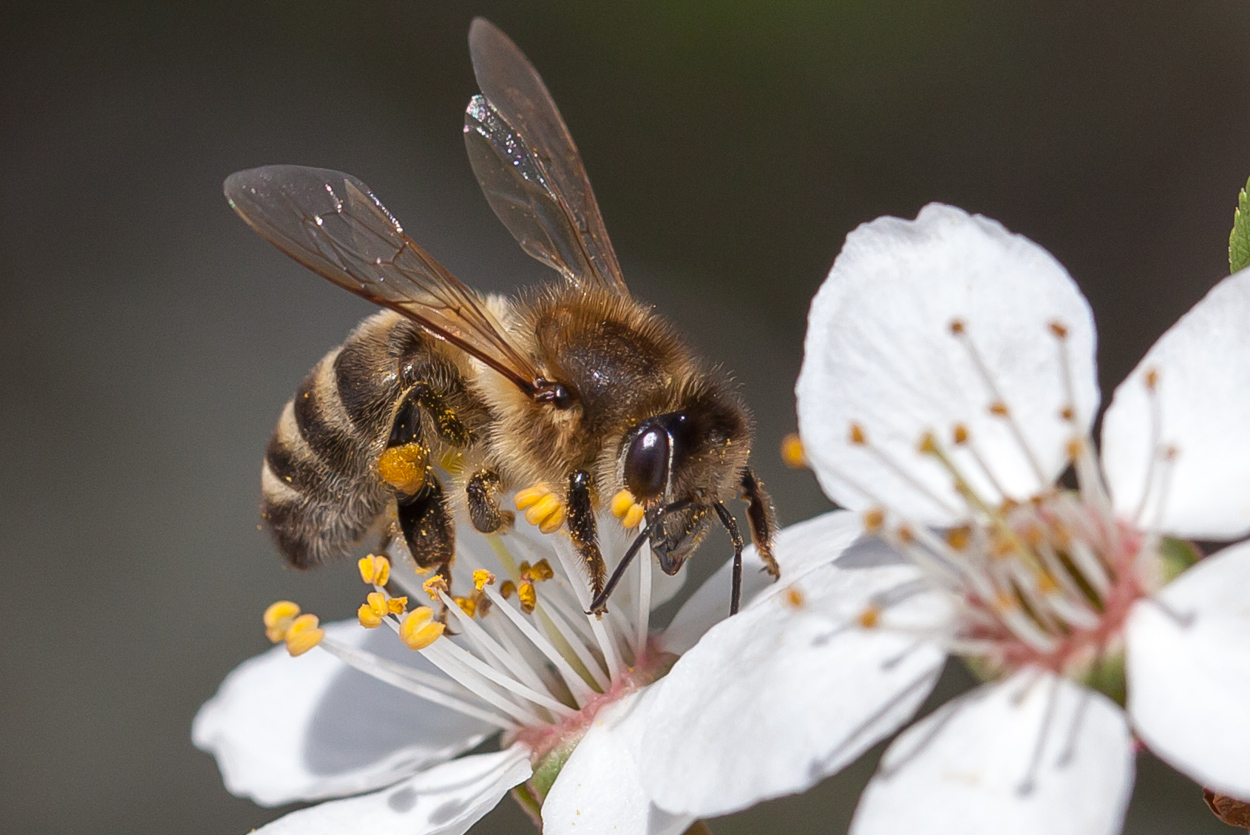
(527, 596)
(542, 507)
(625, 508)
(278, 618)
(870, 617)
(482, 578)
(419, 629)
(304, 633)
(792, 452)
(403, 467)
(374, 570)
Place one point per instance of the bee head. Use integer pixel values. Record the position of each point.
(693, 456)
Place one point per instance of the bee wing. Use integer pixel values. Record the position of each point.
(529, 168)
(333, 224)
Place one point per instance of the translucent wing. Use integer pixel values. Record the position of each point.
(529, 168)
(331, 223)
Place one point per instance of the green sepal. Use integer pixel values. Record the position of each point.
(1176, 555)
(1239, 238)
(547, 769)
(1108, 678)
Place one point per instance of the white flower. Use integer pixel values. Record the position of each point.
(569, 692)
(948, 384)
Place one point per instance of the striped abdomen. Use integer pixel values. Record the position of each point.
(321, 491)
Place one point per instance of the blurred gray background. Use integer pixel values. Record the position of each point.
(149, 339)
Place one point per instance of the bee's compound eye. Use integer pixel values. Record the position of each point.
(646, 463)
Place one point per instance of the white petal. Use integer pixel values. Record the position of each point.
(773, 700)
(446, 800)
(797, 548)
(1189, 681)
(880, 354)
(286, 729)
(598, 789)
(974, 767)
(1202, 399)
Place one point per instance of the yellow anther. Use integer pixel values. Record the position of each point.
(1152, 379)
(999, 409)
(873, 520)
(397, 605)
(634, 517)
(1004, 602)
(794, 597)
(960, 435)
(419, 629)
(278, 619)
(792, 453)
(506, 589)
(928, 444)
(304, 633)
(1046, 584)
(542, 509)
(958, 538)
(403, 467)
(1058, 329)
(1075, 447)
(527, 596)
(368, 618)
(1001, 546)
(377, 603)
(1032, 535)
(870, 617)
(905, 535)
(481, 578)
(621, 503)
(553, 522)
(531, 496)
(541, 570)
(374, 570)
(1067, 413)
(467, 605)
(434, 585)
(857, 435)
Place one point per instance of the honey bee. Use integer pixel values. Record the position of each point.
(574, 391)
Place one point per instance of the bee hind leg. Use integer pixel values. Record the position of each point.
(428, 529)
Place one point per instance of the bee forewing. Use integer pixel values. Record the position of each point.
(333, 224)
(529, 168)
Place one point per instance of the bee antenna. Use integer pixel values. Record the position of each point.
(599, 605)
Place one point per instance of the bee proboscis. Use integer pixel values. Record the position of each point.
(575, 385)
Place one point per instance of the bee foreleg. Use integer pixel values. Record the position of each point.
(426, 522)
(581, 522)
(482, 493)
(762, 519)
(731, 525)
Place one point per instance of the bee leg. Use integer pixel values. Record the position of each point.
(731, 525)
(762, 519)
(599, 605)
(581, 521)
(446, 422)
(484, 510)
(426, 522)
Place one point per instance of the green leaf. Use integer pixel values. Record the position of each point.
(1239, 240)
